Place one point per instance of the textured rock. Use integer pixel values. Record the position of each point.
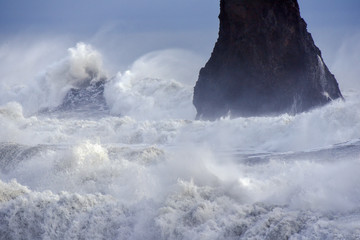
(264, 63)
(87, 98)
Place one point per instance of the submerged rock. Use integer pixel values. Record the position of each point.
(264, 62)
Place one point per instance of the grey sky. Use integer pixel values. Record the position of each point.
(126, 29)
(326, 18)
(86, 16)
(90, 15)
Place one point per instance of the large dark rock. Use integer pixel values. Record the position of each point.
(264, 63)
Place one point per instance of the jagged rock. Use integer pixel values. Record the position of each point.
(82, 100)
(87, 98)
(264, 63)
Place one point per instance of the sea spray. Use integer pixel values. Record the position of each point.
(158, 85)
(140, 172)
(82, 67)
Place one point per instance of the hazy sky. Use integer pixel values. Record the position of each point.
(146, 15)
(130, 28)
(88, 17)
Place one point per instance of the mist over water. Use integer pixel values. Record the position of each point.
(86, 153)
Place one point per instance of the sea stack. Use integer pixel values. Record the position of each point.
(264, 63)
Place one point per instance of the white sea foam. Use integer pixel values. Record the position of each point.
(148, 170)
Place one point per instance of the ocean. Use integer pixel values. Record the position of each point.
(85, 154)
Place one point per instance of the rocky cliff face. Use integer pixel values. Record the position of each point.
(264, 63)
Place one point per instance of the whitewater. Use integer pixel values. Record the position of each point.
(87, 154)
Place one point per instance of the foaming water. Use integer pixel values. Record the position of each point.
(142, 168)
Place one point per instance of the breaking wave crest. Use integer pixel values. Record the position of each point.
(156, 86)
(81, 68)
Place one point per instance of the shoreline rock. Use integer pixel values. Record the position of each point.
(264, 62)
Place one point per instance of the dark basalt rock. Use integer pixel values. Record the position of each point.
(264, 63)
